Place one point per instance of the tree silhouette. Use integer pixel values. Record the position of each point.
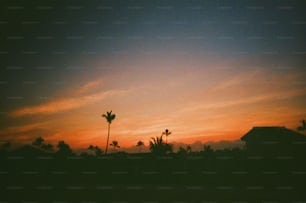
(115, 144)
(109, 118)
(166, 132)
(91, 147)
(208, 149)
(183, 152)
(158, 146)
(96, 150)
(188, 149)
(303, 127)
(63, 148)
(38, 142)
(139, 144)
(47, 147)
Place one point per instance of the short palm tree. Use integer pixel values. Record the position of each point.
(139, 144)
(115, 144)
(158, 146)
(109, 116)
(166, 132)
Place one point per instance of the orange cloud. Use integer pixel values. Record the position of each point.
(23, 128)
(64, 104)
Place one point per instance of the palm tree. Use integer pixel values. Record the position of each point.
(166, 132)
(158, 146)
(109, 118)
(139, 144)
(115, 144)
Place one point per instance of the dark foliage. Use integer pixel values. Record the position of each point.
(63, 149)
(159, 147)
(38, 142)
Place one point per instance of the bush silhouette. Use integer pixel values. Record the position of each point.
(38, 142)
(47, 147)
(159, 147)
(97, 151)
(63, 149)
(207, 150)
(183, 152)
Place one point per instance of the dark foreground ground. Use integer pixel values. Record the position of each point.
(145, 178)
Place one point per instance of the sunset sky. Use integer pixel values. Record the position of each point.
(205, 70)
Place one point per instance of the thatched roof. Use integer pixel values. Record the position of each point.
(273, 134)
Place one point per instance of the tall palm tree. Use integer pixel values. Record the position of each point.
(109, 116)
(166, 132)
(115, 144)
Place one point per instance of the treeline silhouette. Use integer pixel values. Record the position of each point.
(270, 168)
(157, 146)
(32, 173)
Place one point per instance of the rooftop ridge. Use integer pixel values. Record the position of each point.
(269, 127)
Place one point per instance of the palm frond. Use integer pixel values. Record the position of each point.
(109, 116)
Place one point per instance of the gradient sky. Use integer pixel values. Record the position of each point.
(206, 70)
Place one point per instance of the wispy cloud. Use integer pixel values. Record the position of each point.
(244, 101)
(64, 104)
(23, 128)
(92, 85)
(237, 80)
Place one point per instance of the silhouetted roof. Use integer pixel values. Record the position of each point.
(272, 133)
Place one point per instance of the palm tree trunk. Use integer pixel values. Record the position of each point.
(107, 139)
